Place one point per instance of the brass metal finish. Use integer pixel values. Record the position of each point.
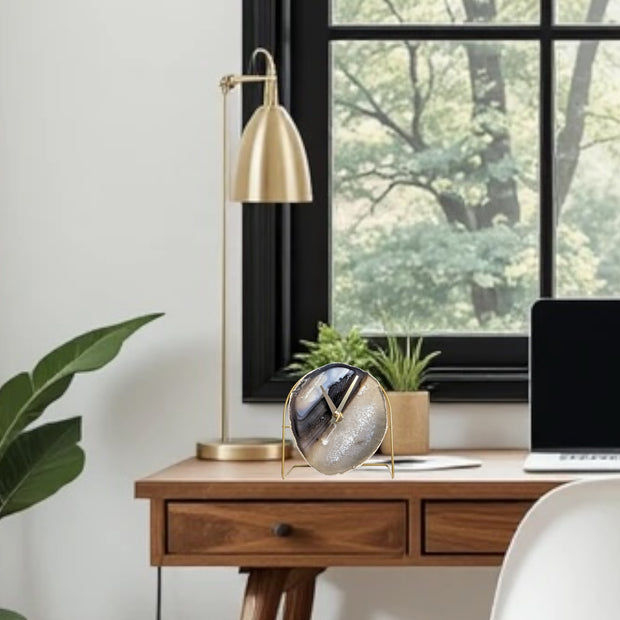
(250, 449)
(273, 167)
(285, 426)
(272, 164)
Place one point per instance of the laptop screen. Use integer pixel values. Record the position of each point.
(575, 374)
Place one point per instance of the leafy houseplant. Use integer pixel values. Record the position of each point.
(37, 462)
(330, 347)
(403, 373)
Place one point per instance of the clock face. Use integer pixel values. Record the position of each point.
(338, 417)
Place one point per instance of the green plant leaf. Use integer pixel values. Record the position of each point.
(7, 614)
(38, 463)
(330, 347)
(89, 351)
(402, 370)
(24, 397)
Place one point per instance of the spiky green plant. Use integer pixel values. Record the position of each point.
(402, 370)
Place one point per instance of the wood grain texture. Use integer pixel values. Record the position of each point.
(263, 593)
(194, 479)
(369, 528)
(223, 514)
(158, 531)
(300, 594)
(265, 588)
(207, 513)
(463, 527)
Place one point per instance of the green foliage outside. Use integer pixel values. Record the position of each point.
(435, 145)
(412, 11)
(36, 462)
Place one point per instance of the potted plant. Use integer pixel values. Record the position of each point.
(37, 462)
(403, 373)
(331, 347)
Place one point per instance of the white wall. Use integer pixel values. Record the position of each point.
(109, 207)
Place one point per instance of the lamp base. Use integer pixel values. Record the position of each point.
(246, 449)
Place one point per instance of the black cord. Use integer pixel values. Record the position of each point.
(158, 612)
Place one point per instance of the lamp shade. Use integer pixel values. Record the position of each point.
(272, 165)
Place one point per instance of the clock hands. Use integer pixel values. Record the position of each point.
(336, 411)
(346, 396)
(325, 440)
(336, 416)
(330, 403)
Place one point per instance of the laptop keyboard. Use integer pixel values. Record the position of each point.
(581, 456)
(573, 461)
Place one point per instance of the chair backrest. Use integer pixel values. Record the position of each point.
(564, 560)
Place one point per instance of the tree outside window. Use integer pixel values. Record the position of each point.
(435, 168)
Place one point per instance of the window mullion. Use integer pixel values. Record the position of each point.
(547, 211)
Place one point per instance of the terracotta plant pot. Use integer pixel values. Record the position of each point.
(410, 419)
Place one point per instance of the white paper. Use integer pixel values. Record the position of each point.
(424, 463)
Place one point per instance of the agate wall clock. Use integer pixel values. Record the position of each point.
(338, 416)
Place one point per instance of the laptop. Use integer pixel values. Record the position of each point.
(575, 385)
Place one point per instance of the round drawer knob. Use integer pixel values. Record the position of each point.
(281, 529)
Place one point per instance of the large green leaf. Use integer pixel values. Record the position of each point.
(6, 614)
(24, 397)
(38, 463)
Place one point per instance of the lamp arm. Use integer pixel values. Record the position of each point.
(270, 79)
(224, 424)
(228, 82)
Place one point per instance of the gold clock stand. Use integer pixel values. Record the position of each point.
(390, 430)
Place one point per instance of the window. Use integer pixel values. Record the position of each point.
(463, 156)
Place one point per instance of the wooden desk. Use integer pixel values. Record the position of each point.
(285, 532)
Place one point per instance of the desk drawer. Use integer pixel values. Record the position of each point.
(365, 528)
(470, 527)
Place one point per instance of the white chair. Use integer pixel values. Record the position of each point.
(564, 560)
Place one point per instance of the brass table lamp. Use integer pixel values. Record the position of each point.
(272, 168)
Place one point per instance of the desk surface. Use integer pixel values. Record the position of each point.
(504, 466)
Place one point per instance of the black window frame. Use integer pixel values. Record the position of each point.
(286, 247)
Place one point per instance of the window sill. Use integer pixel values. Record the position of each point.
(482, 385)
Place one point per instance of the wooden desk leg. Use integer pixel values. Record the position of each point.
(263, 592)
(300, 593)
(265, 587)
